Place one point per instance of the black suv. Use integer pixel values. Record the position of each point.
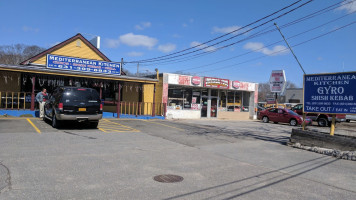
(74, 103)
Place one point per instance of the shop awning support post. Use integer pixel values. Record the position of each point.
(101, 90)
(118, 100)
(33, 94)
(154, 101)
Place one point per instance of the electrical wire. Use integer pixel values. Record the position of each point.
(196, 46)
(260, 57)
(260, 33)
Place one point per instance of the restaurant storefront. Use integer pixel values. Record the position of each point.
(193, 97)
(77, 62)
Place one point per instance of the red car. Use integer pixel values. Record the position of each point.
(282, 115)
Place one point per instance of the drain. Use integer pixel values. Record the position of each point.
(168, 178)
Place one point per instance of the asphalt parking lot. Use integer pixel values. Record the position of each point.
(217, 159)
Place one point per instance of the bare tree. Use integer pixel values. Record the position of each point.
(264, 90)
(14, 54)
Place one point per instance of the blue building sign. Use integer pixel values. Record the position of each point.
(330, 93)
(84, 65)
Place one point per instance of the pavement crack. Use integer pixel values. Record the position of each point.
(5, 178)
(79, 135)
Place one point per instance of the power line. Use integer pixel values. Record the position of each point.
(260, 33)
(158, 58)
(314, 14)
(271, 44)
(260, 57)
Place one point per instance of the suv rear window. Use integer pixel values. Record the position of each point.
(80, 94)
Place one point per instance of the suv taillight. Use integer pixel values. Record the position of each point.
(60, 106)
(101, 107)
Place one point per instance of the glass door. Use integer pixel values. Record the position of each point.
(204, 106)
(214, 107)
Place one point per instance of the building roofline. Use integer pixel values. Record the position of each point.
(60, 45)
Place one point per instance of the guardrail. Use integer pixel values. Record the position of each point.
(15, 100)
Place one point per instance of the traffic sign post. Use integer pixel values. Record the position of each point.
(277, 83)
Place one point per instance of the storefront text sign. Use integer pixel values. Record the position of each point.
(184, 80)
(277, 81)
(84, 65)
(216, 83)
(196, 80)
(330, 93)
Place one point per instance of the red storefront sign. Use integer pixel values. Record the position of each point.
(216, 83)
(236, 84)
(196, 80)
(184, 80)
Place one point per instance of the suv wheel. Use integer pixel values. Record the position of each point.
(55, 123)
(265, 119)
(293, 122)
(323, 122)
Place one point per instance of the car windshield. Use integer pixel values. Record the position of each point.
(293, 113)
(81, 94)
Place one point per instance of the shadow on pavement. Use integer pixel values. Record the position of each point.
(268, 181)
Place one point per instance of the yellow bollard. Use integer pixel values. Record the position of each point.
(332, 128)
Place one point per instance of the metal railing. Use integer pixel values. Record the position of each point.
(15, 100)
(142, 108)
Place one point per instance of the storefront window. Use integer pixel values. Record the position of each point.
(223, 99)
(175, 98)
(233, 101)
(214, 93)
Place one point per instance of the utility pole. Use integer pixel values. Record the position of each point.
(138, 65)
(300, 65)
(290, 48)
(122, 64)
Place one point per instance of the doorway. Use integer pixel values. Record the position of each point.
(214, 107)
(204, 106)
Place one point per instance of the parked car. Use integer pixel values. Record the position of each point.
(282, 115)
(74, 104)
(321, 118)
(244, 109)
(350, 118)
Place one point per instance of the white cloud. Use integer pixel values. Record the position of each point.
(229, 29)
(348, 7)
(184, 25)
(30, 29)
(166, 48)
(176, 36)
(134, 54)
(260, 47)
(143, 25)
(133, 40)
(112, 43)
(206, 48)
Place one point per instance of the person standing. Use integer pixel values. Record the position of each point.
(41, 98)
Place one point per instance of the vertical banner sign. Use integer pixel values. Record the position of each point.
(277, 81)
(330, 93)
(84, 65)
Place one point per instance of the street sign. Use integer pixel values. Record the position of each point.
(277, 81)
(330, 93)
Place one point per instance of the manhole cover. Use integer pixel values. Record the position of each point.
(168, 178)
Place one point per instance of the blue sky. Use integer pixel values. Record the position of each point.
(137, 30)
